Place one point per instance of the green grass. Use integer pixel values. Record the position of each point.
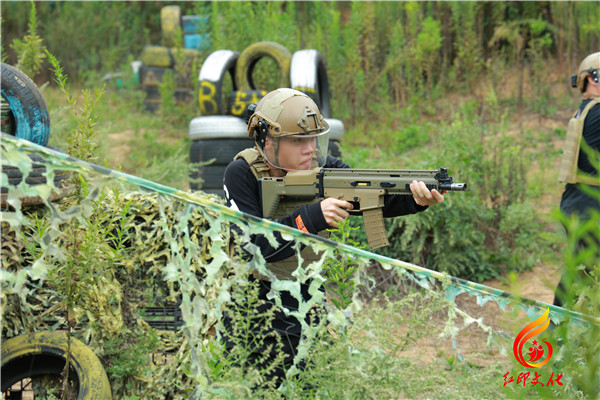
(130, 139)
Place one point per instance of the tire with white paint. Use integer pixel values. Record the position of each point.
(308, 74)
(217, 127)
(217, 65)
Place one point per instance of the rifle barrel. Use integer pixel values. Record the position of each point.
(454, 186)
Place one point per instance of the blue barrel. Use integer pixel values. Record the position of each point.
(197, 41)
(194, 23)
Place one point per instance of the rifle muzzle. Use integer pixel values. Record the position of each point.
(454, 186)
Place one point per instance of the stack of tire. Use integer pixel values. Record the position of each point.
(180, 61)
(25, 115)
(221, 132)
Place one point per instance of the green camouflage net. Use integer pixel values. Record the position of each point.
(178, 258)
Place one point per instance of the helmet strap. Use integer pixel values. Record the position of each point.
(260, 138)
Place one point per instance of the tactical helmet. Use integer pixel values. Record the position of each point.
(288, 113)
(590, 66)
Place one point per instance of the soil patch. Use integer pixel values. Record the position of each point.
(118, 143)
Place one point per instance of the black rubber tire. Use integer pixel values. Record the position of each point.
(170, 24)
(211, 175)
(252, 54)
(28, 107)
(36, 177)
(44, 353)
(217, 137)
(336, 135)
(151, 106)
(334, 149)
(212, 74)
(308, 74)
(336, 129)
(239, 100)
(183, 96)
(222, 150)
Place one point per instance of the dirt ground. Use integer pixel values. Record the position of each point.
(471, 342)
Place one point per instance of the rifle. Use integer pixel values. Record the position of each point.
(364, 188)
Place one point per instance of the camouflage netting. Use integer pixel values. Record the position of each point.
(164, 249)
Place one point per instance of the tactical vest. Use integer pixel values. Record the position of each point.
(568, 167)
(282, 269)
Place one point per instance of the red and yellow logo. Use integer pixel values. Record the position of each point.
(536, 351)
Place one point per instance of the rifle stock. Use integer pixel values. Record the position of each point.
(365, 188)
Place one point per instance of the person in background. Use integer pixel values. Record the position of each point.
(580, 197)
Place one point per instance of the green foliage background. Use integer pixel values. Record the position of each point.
(378, 53)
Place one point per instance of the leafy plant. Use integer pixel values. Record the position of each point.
(166, 89)
(339, 269)
(80, 140)
(243, 363)
(31, 50)
(88, 248)
(127, 355)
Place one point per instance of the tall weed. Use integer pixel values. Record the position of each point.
(31, 50)
(234, 368)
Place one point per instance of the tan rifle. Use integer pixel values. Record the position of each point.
(364, 188)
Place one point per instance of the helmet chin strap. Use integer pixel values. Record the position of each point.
(262, 151)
